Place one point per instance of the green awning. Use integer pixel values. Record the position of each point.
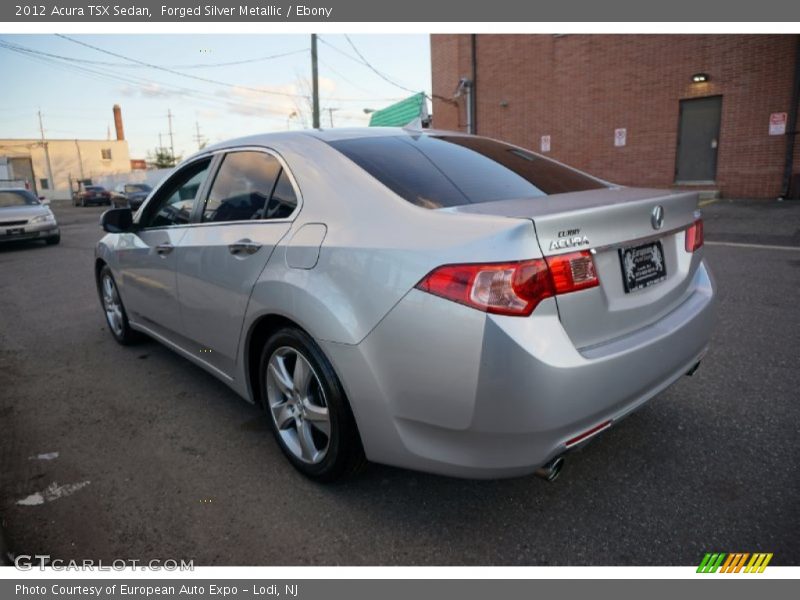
(401, 113)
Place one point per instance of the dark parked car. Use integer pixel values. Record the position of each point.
(130, 194)
(91, 194)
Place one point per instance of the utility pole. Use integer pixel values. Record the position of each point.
(314, 82)
(198, 137)
(330, 114)
(50, 183)
(171, 139)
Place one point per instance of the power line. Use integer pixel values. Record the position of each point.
(232, 63)
(205, 79)
(340, 76)
(363, 61)
(174, 72)
(102, 63)
(199, 96)
(198, 78)
(136, 80)
(374, 70)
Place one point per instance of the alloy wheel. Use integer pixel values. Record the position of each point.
(297, 405)
(112, 305)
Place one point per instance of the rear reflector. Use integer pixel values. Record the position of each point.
(512, 288)
(694, 236)
(588, 433)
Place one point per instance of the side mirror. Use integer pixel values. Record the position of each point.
(43, 200)
(117, 220)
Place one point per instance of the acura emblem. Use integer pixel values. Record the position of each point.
(657, 217)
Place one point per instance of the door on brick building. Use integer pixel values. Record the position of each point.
(698, 140)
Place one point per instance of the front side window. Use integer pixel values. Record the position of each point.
(437, 171)
(248, 186)
(176, 200)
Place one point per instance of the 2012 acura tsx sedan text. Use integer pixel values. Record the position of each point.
(431, 300)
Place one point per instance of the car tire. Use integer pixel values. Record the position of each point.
(53, 240)
(296, 410)
(114, 310)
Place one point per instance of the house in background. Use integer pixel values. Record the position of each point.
(51, 167)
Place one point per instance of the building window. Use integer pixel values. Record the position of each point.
(106, 153)
(44, 184)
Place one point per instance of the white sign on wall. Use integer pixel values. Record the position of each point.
(620, 137)
(777, 123)
(545, 144)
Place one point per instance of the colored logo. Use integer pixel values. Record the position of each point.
(735, 562)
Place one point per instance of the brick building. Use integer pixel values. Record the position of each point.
(711, 112)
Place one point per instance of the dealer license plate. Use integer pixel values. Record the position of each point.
(642, 266)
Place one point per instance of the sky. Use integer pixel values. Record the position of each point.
(75, 81)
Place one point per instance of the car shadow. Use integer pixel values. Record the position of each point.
(10, 247)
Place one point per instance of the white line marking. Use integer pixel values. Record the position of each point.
(53, 492)
(45, 456)
(758, 246)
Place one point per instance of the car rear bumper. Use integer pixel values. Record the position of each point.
(461, 393)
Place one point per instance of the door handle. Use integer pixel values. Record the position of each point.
(243, 247)
(164, 249)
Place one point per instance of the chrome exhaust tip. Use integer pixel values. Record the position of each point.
(551, 470)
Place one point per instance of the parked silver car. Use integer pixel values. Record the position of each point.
(24, 217)
(430, 300)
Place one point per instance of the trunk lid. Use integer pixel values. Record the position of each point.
(608, 222)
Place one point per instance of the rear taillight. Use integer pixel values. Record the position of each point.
(512, 288)
(694, 236)
(572, 272)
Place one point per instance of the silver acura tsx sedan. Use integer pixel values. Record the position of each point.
(431, 300)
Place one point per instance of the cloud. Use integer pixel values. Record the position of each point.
(147, 90)
(208, 113)
(284, 100)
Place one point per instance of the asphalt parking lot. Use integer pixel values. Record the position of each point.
(162, 461)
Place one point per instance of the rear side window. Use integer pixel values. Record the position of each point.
(283, 200)
(443, 171)
(243, 187)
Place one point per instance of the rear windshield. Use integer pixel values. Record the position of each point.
(9, 198)
(442, 171)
